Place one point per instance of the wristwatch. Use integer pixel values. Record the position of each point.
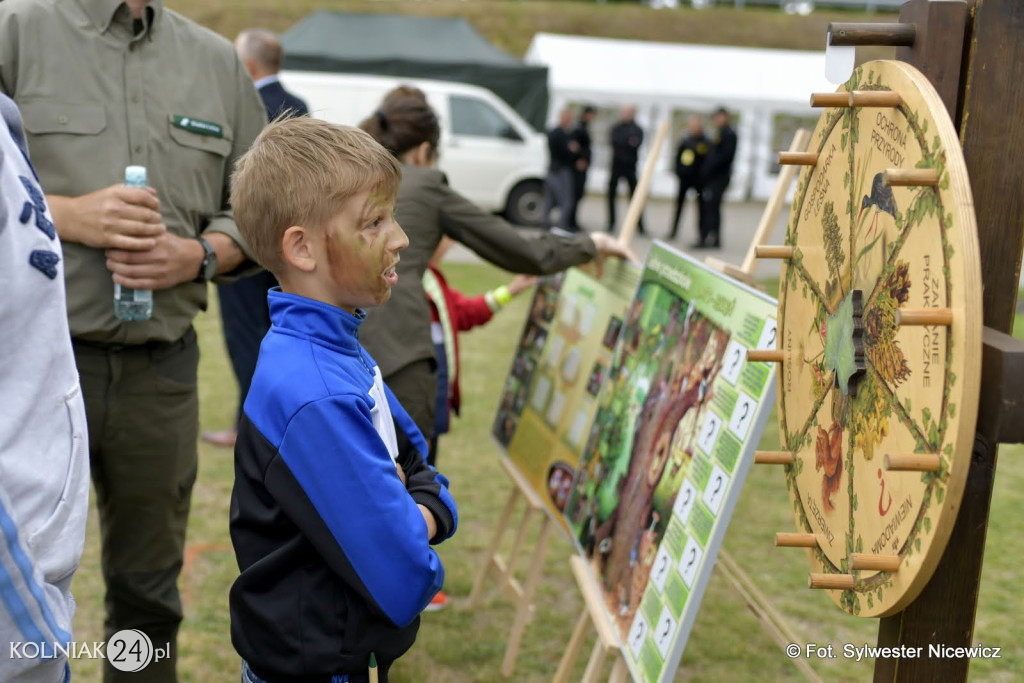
(208, 267)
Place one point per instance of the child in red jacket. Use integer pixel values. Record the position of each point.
(451, 313)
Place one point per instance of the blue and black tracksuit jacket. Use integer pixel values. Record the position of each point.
(332, 550)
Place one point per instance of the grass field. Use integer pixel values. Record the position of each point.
(727, 642)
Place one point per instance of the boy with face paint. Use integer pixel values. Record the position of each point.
(334, 507)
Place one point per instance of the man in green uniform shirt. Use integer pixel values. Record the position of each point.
(103, 84)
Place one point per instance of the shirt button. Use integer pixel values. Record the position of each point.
(138, 149)
(135, 99)
(62, 120)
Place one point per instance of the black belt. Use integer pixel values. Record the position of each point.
(186, 340)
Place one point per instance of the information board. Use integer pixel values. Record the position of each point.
(677, 423)
(561, 362)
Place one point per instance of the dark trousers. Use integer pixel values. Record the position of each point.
(618, 174)
(711, 212)
(142, 410)
(684, 187)
(246, 320)
(579, 187)
(558, 191)
(249, 676)
(415, 387)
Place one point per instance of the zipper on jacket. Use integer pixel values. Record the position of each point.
(362, 358)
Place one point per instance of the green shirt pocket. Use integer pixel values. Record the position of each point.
(42, 117)
(221, 146)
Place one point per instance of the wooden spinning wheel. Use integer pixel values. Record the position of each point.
(880, 341)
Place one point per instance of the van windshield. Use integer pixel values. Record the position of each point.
(475, 117)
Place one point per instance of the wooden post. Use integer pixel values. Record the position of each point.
(872, 34)
(521, 595)
(986, 107)
(938, 49)
(636, 203)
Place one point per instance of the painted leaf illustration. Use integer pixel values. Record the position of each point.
(839, 349)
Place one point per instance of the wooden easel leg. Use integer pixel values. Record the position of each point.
(595, 663)
(526, 601)
(508, 575)
(478, 584)
(572, 650)
(619, 671)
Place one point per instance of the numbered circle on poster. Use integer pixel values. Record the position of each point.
(684, 501)
(709, 432)
(880, 322)
(767, 339)
(661, 569)
(637, 634)
(742, 415)
(732, 362)
(690, 561)
(714, 492)
(664, 631)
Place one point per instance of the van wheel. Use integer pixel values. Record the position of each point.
(525, 203)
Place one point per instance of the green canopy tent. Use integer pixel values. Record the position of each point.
(415, 47)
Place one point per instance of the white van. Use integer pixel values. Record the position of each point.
(490, 154)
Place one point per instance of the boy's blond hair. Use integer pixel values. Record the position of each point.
(299, 172)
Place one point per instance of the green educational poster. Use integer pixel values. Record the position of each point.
(676, 427)
(562, 360)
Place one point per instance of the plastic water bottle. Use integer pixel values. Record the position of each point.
(133, 304)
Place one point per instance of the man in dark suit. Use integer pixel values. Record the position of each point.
(261, 52)
(558, 186)
(625, 138)
(715, 176)
(581, 134)
(243, 304)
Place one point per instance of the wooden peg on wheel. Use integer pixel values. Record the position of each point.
(924, 316)
(910, 177)
(798, 158)
(875, 98)
(830, 99)
(787, 540)
(774, 457)
(881, 563)
(774, 251)
(911, 462)
(841, 582)
(765, 356)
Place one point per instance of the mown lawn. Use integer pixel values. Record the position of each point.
(727, 644)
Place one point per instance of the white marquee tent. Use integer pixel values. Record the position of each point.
(767, 91)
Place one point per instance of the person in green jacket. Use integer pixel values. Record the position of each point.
(397, 334)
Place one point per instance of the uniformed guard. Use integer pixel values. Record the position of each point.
(689, 162)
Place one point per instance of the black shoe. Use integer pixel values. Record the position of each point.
(697, 245)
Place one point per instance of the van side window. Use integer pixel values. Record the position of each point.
(475, 117)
